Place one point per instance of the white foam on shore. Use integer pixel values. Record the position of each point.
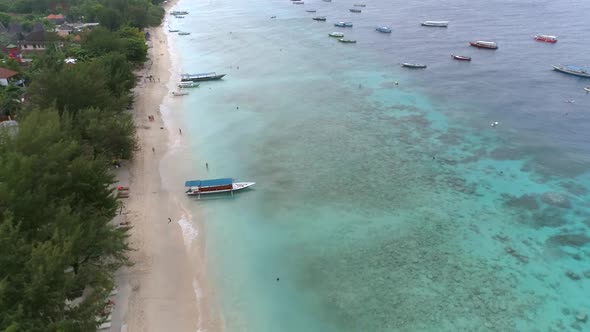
(198, 293)
(189, 231)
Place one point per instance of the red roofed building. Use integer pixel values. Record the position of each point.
(6, 75)
(56, 19)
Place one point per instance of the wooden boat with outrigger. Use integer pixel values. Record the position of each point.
(215, 186)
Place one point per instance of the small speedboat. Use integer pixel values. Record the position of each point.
(347, 41)
(186, 85)
(413, 65)
(546, 38)
(587, 89)
(319, 18)
(360, 5)
(355, 10)
(343, 24)
(336, 34)
(484, 44)
(461, 57)
(573, 70)
(440, 24)
(383, 29)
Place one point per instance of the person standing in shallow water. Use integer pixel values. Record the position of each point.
(207, 166)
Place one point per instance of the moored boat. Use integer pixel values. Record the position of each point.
(461, 57)
(336, 34)
(343, 24)
(214, 186)
(201, 77)
(327, 0)
(587, 89)
(484, 44)
(311, 10)
(441, 24)
(573, 70)
(178, 94)
(179, 16)
(178, 12)
(347, 41)
(546, 38)
(298, 2)
(319, 18)
(413, 65)
(383, 29)
(185, 85)
(173, 30)
(359, 5)
(355, 10)
(182, 33)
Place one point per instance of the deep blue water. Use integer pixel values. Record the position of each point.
(384, 207)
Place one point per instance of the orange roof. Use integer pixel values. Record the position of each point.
(7, 73)
(55, 17)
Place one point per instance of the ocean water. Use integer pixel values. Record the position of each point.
(383, 206)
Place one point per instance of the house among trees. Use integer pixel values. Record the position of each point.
(40, 40)
(6, 75)
(56, 19)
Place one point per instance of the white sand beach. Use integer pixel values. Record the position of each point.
(162, 283)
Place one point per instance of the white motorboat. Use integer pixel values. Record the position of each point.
(441, 24)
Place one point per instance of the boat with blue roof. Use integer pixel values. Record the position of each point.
(215, 186)
(573, 70)
(201, 77)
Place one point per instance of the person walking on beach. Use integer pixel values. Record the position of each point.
(180, 131)
(207, 166)
(169, 220)
(153, 149)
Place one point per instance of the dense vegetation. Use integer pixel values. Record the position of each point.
(56, 201)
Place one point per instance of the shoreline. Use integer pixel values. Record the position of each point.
(164, 289)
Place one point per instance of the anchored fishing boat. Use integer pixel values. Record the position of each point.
(178, 12)
(311, 10)
(383, 29)
(173, 30)
(347, 41)
(298, 2)
(359, 5)
(182, 33)
(178, 94)
(413, 65)
(355, 10)
(573, 70)
(461, 57)
(186, 85)
(484, 44)
(215, 186)
(319, 18)
(201, 77)
(336, 34)
(343, 24)
(440, 24)
(546, 38)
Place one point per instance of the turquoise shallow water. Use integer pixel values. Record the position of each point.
(384, 207)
